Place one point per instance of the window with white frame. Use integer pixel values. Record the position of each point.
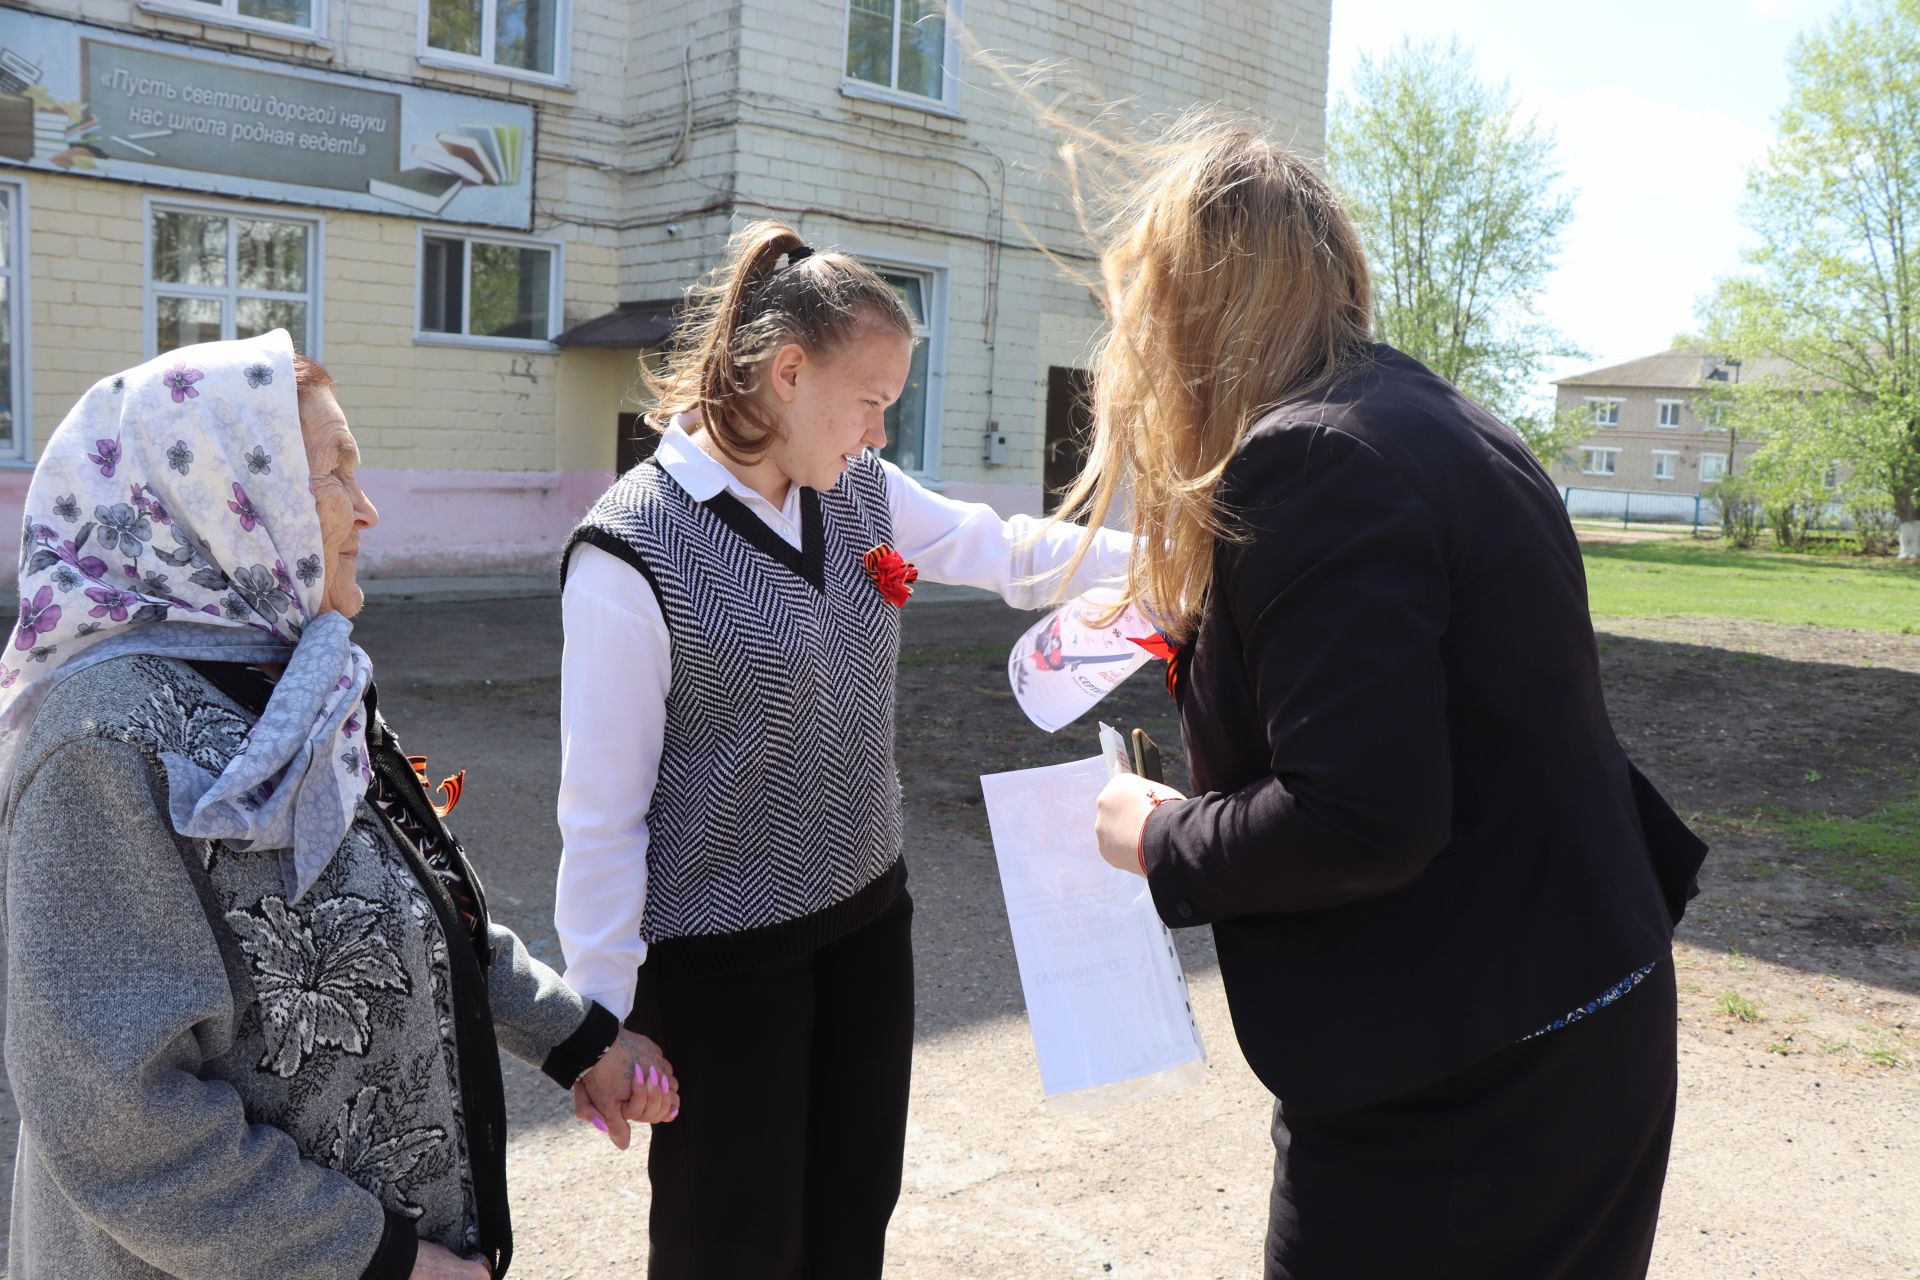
(304, 17)
(1664, 467)
(1602, 462)
(1669, 416)
(1713, 466)
(913, 418)
(519, 37)
(1606, 413)
(496, 292)
(1717, 417)
(1830, 478)
(219, 274)
(13, 334)
(899, 46)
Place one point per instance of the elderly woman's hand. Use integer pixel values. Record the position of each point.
(632, 1083)
(434, 1263)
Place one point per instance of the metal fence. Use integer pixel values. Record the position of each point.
(1692, 510)
(1680, 510)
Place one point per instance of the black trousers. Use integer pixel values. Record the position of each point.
(1544, 1162)
(785, 1161)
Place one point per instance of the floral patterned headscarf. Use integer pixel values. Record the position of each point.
(172, 514)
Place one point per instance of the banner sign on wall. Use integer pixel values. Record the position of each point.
(79, 100)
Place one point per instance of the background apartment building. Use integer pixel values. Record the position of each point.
(480, 213)
(1653, 428)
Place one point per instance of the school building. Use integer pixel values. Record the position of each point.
(481, 213)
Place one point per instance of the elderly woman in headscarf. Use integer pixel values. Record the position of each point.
(254, 992)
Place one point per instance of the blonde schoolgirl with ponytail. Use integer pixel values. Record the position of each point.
(732, 883)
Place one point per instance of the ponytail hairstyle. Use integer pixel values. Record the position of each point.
(747, 309)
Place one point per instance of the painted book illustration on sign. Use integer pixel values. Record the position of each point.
(474, 155)
(36, 125)
(481, 154)
(427, 190)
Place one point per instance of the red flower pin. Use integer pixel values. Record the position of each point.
(1166, 651)
(891, 573)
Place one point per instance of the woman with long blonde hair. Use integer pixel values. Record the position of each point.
(1430, 869)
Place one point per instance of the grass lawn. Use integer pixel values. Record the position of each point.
(1685, 578)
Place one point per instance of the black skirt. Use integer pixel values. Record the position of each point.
(1544, 1162)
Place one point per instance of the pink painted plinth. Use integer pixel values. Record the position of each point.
(438, 522)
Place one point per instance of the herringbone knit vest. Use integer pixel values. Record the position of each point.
(775, 824)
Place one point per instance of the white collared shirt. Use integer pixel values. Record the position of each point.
(617, 667)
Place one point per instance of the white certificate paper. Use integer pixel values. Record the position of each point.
(1106, 999)
(1066, 662)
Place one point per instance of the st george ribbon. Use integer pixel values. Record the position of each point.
(1106, 998)
(1068, 660)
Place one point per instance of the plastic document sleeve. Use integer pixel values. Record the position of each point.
(1106, 998)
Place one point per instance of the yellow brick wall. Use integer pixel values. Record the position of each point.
(414, 405)
(930, 187)
(84, 249)
(430, 406)
(643, 206)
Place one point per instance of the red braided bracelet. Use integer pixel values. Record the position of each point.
(1140, 847)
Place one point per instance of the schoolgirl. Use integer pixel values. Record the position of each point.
(732, 882)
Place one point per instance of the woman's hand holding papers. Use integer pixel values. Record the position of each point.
(1120, 819)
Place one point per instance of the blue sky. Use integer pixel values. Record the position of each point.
(1659, 110)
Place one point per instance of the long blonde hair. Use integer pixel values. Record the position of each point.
(1233, 281)
(747, 308)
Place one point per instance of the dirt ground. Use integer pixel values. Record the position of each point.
(1797, 1152)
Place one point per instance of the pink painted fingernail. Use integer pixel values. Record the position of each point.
(600, 1124)
(674, 1114)
(638, 1077)
(653, 1076)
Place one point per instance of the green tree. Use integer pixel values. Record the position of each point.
(1461, 205)
(454, 26)
(1835, 282)
(1551, 435)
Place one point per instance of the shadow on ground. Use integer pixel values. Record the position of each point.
(1724, 732)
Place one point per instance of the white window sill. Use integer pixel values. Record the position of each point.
(541, 345)
(239, 22)
(893, 97)
(455, 62)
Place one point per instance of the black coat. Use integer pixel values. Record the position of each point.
(1415, 834)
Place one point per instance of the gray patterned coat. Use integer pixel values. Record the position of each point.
(217, 1082)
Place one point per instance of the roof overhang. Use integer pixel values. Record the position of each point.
(631, 324)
